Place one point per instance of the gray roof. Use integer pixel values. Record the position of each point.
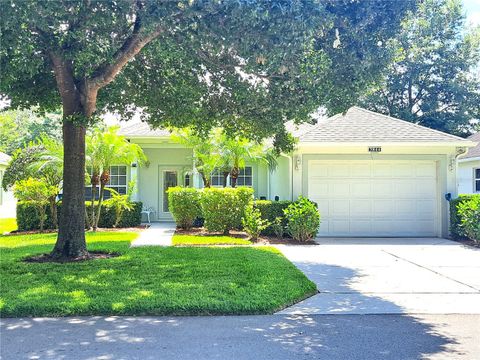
(4, 158)
(473, 152)
(142, 129)
(356, 125)
(361, 125)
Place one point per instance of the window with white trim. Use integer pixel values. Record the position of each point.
(245, 177)
(216, 179)
(118, 182)
(476, 180)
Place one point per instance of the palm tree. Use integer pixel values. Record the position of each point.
(107, 148)
(236, 152)
(205, 155)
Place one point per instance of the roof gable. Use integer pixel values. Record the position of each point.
(361, 125)
(473, 152)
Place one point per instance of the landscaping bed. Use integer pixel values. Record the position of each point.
(146, 280)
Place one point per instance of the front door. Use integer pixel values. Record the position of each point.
(169, 178)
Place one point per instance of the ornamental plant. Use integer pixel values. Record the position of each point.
(37, 193)
(252, 222)
(469, 212)
(303, 219)
(184, 204)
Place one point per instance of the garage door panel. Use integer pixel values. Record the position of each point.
(375, 198)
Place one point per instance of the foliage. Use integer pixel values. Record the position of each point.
(27, 217)
(223, 208)
(18, 128)
(252, 222)
(184, 204)
(456, 231)
(277, 227)
(20, 166)
(303, 219)
(469, 213)
(104, 149)
(272, 210)
(191, 240)
(37, 193)
(121, 202)
(147, 280)
(432, 81)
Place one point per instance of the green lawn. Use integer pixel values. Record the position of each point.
(146, 280)
(7, 225)
(179, 239)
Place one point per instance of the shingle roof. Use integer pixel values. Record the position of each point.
(142, 129)
(4, 158)
(473, 152)
(361, 125)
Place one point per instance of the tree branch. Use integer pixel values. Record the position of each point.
(65, 82)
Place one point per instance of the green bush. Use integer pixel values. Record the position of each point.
(27, 218)
(184, 204)
(469, 213)
(252, 222)
(456, 230)
(224, 208)
(270, 211)
(278, 228)
(303, 219)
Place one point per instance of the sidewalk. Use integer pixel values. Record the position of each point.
(158, 234)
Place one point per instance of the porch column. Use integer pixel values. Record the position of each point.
(134, 177)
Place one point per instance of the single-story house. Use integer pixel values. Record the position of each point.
(4, 160)
(468, 169)
(370, 174)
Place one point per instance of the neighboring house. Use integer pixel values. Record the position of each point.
(4, 160)
(468, 169)
(371, 175)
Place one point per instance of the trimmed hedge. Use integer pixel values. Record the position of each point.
(27, 217)
(270, 210)
(184, 204)
(456, 231)
(224, 208)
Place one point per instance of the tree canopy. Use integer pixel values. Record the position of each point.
(435, 79)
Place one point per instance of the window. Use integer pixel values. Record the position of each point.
(217, 178)
(245, 177)
(476, 180)
(118, 182)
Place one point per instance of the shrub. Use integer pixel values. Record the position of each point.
(469, 213)
(271, 210)
(224, 208)
(252, 222)
(456, 230)
(184, 204)
(303, 219)
(28, 220)
(278, 228)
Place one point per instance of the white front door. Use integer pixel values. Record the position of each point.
(168, 178)
(375, 197)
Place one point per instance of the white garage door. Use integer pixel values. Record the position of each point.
(374, 197)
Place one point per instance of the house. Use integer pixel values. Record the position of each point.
(370, 174)
(468, 169)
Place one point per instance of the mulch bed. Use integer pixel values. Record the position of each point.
(262, 240)
(92, 255)
(50, 231)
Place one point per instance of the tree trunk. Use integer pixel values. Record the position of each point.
(225, 177)
(71, 231)
(92, 210)
(99, 209)
(234, 176)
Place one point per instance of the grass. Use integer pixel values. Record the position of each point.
(179, 239)
(7, 225)
(146, 280)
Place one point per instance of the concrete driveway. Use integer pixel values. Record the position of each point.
(388, 276)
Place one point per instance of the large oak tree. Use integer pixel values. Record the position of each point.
(247, 66)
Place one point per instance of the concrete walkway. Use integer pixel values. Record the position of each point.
(158, 234)
(279, 337)
(388, 276)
